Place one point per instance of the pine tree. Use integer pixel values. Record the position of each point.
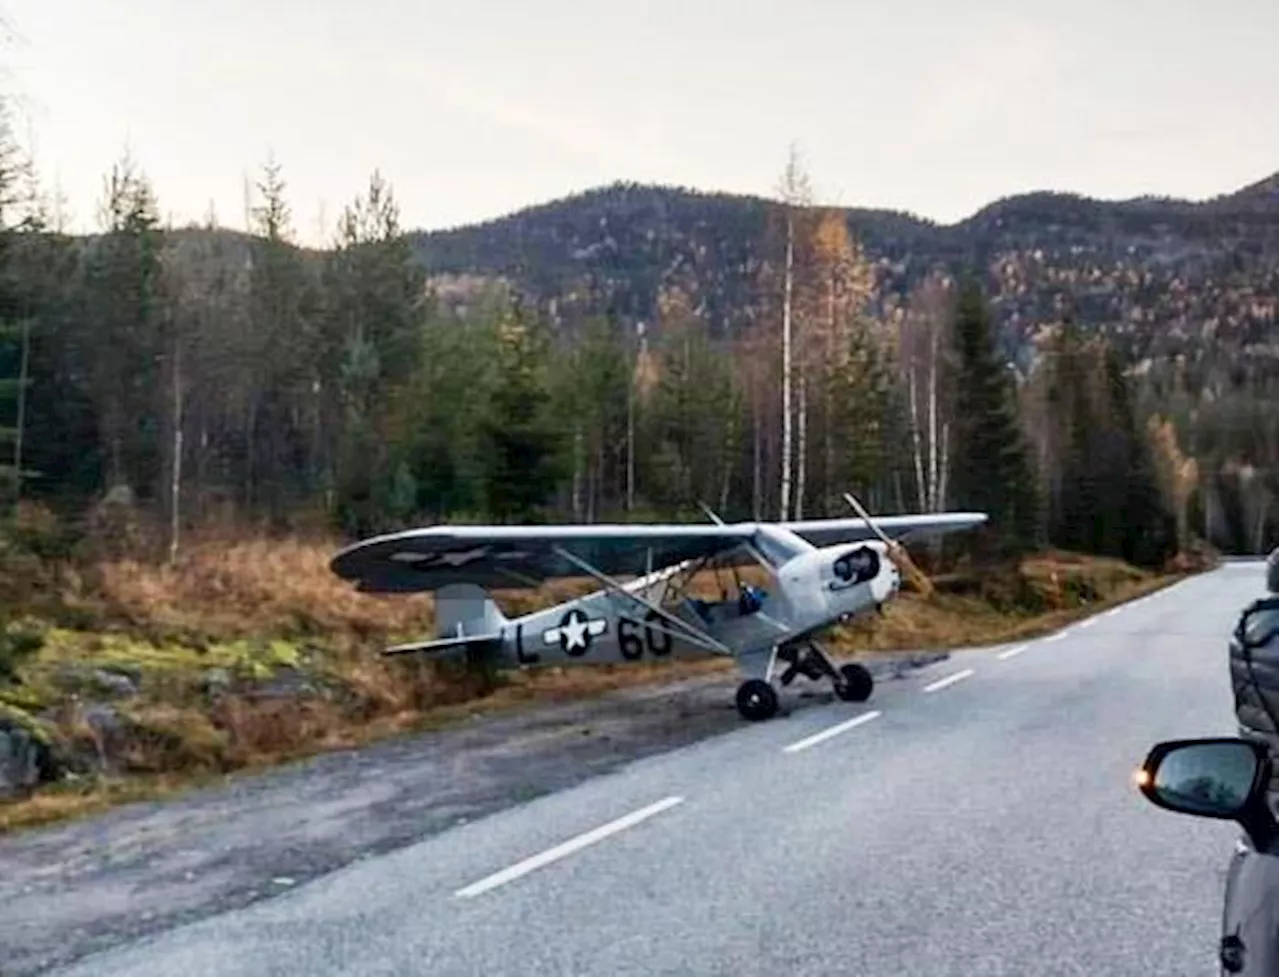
(1075, 520)
(991, 472)
(860, 397)
(371, 344)
(15, 347)
(523, 448)
(1149, 530)
(120, 337)
(285, 364)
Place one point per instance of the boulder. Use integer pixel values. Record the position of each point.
(26, 757)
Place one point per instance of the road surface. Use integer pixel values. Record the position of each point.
(975, 819)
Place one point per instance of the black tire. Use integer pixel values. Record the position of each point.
(757, 700)
(855, 683)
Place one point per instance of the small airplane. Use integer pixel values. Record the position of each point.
(819, 580)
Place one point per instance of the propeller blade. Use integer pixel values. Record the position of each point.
(864, 514)
(896, 551)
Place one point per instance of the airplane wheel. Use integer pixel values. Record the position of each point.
(855, 683)
(757, 700)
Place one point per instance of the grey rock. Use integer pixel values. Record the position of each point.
(110, 682)
(25, 760)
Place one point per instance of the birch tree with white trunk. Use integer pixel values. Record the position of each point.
(796, 193)
(924, 346)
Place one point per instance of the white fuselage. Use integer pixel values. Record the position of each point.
(813, 589)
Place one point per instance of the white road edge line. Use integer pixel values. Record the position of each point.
(1088, 623)
(1054, 637)
(952, 679)
(1012, 652)
(566, 848)
(829, 732)
(1114, 611)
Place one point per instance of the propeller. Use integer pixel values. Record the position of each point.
(895, 551)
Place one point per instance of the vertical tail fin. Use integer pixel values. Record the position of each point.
(465, 610)
(466, 619)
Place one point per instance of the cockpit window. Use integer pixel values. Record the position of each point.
(778, 545)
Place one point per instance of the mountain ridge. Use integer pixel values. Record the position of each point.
(1153, 272)
(1267, 185)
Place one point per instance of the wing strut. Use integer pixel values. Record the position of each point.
(689, 632)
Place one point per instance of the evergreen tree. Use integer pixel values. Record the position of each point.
(991, 472)
(119, 335)
(1149, 533)
(371, 343)
(1075, 519)
(861, 394)
(284, 362)
(14, 359)
(692, 437)
(591, 376)
(436, 425)
(523, 447)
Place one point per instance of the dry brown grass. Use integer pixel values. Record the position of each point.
(255, 588)
(1043, 593)
(226, 589)
(181, 621)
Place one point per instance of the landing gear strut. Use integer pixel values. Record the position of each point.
(758, 700)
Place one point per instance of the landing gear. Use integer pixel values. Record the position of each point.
(852, 682)
(757, 700)
(855, 683)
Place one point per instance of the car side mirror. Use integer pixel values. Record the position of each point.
(1222, 778)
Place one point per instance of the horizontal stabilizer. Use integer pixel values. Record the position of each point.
(442, 645)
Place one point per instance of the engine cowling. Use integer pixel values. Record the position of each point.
(825, 585)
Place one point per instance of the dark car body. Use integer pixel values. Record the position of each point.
(1226, 778)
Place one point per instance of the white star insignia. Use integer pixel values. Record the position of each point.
(576, 631)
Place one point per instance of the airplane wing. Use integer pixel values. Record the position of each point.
(505, 557)
(828, 532)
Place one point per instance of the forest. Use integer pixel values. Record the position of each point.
(157, 383)
(193, 419)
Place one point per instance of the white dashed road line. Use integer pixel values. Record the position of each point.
(952, 679)
(829, 732)
(1012, 652)
(566, 848)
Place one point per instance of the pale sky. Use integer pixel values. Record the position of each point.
(474, 108)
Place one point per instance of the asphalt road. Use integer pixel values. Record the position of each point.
(974, 825)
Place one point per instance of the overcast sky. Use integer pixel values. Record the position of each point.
(473, 108)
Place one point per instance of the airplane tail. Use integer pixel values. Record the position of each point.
(466, 618)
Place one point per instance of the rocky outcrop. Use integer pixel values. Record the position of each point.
(26, 754)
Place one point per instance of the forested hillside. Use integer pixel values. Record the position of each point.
(1097, 375)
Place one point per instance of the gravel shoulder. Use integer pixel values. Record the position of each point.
(77, 888)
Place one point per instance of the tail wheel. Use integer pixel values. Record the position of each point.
(855, 683)
(757, 700)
